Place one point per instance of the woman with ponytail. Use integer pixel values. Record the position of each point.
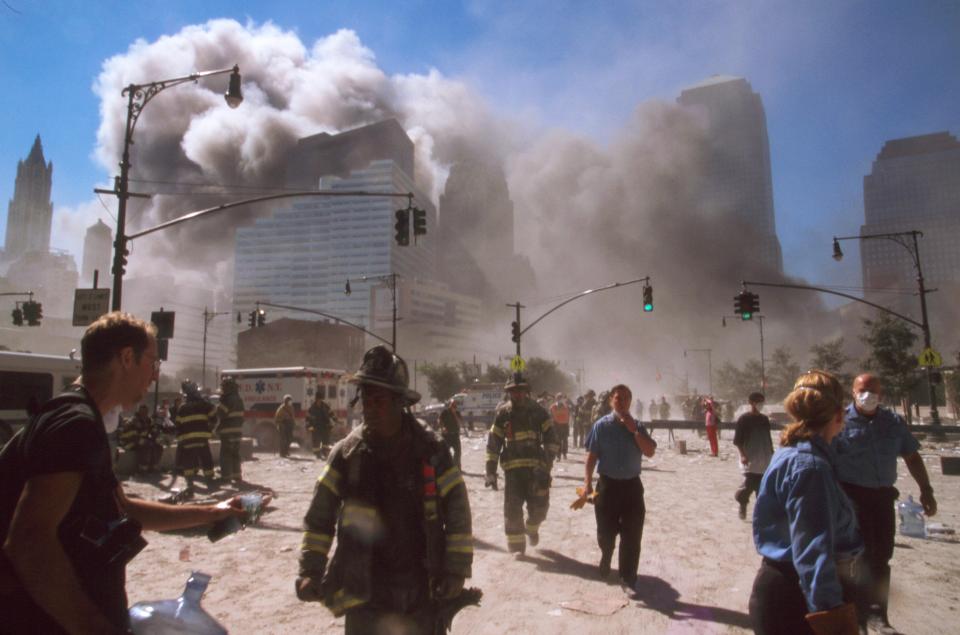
(803, 524)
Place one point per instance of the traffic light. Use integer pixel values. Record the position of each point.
(754, 303)
(253, 319)
(647, 298)
(120, 258)
(403, 227)
(516, 330)
(746, 304)
(419, 222)
(261, 317)
(17, 317)
(32, 312)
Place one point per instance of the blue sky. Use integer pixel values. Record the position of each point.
(837, 79)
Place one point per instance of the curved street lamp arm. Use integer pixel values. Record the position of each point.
(326, 315)
(897, 237)
(140, 94)
(258, 199)
(582, 294)
(832, 292)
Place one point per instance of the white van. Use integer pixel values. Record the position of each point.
(26, 382)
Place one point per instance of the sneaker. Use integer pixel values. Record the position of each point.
(605, 565)
(519, 555)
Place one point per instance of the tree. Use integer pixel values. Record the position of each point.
(496, 375)
(782, 373)
(544, 375)
(443, 380)
(829, 356)
(889, 341)
(735, 385)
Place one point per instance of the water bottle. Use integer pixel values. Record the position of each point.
(912, 522)
(183, 616)
(253, 505)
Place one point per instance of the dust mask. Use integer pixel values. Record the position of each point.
(867, 402)
(111, 419)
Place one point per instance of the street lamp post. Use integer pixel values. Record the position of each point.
(914, 248)
(137, 97)
(390, 281)
(709, 352)
(763, 366)
(207, 318)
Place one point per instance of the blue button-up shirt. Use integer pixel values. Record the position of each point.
(867, 448)
(802, 516)
(617, 453)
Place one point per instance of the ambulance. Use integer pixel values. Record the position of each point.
(28, 380)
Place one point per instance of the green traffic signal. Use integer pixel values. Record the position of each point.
(746, 315)
(647, 298)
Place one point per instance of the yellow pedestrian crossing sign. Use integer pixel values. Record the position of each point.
(517, 364)
(930, 358)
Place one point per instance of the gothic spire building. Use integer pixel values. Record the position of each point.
(30, 212)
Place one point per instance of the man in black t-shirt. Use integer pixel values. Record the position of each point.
(752, 439)
(67, 529)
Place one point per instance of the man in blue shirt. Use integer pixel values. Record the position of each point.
(616, 445)
(867, 450)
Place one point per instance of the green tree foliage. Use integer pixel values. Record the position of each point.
(829, 356)
(544, 375)
(496, 375)
(782, 372)
(443, 380)
(890, 344)
(735, 384)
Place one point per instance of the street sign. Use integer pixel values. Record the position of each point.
(90, 304)
(517, 364)
(931, 358)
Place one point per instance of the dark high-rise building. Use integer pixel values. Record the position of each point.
(914, 185)
(30, 212)
(737, 181)
(97, 252)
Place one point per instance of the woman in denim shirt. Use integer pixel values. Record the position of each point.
(803, 524)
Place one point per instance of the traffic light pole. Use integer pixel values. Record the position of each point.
(207, 318)
(326, 315)
(763, 363)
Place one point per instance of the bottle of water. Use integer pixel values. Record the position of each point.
(252, 504)
(183, 616)
(912, 522)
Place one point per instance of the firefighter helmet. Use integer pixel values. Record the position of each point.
(229, 385)
(517, 383)
(380, 367)
(190, 389)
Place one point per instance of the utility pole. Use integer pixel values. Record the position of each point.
(207, 318)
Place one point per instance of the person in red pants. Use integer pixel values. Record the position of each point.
(713, 421)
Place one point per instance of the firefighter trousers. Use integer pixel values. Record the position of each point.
(230, 457)
(193, 458)
(530, 486)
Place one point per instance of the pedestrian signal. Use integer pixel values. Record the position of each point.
(403, 227)
(515, 326)
(647, 298)
(419, 222)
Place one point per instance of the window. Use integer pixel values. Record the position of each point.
(20, 388)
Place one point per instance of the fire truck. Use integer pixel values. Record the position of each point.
(262, 391)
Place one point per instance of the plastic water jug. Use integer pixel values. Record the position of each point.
(912, 521)
(252, 504)
(183, 616)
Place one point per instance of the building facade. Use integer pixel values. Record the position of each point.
(97, 254)
(737, 179)
(914, 185)
(30, 212)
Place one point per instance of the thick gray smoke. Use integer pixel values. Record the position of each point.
(586, 215)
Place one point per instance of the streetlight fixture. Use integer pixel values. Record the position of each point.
(389, 280)
(913, 247)
(137, 97)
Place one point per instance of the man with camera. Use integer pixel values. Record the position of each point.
(67, 529)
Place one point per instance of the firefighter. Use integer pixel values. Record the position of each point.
(560, 413)
(320, 420)
(450, 425)
(230, 429)
(585, 416)
(193, 424)
(285, 418)
(522, 440)
(397, 505)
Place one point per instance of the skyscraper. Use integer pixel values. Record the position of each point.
(30, 211)
(914, 185)
(737, 182)
(97, 251)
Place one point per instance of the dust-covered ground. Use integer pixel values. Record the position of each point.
(696, 567)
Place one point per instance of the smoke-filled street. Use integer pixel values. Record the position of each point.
(696, 567)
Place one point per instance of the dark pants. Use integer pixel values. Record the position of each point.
(524, 485)
(578, 435)
(750, 485)
(321, 438)
(230, 457)
(620, 510)
(148, 455)
(777, 605)
(285, 428)
(370, 621)
(878, 525)
(454, 442)
(563, 434)
(191, 459)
